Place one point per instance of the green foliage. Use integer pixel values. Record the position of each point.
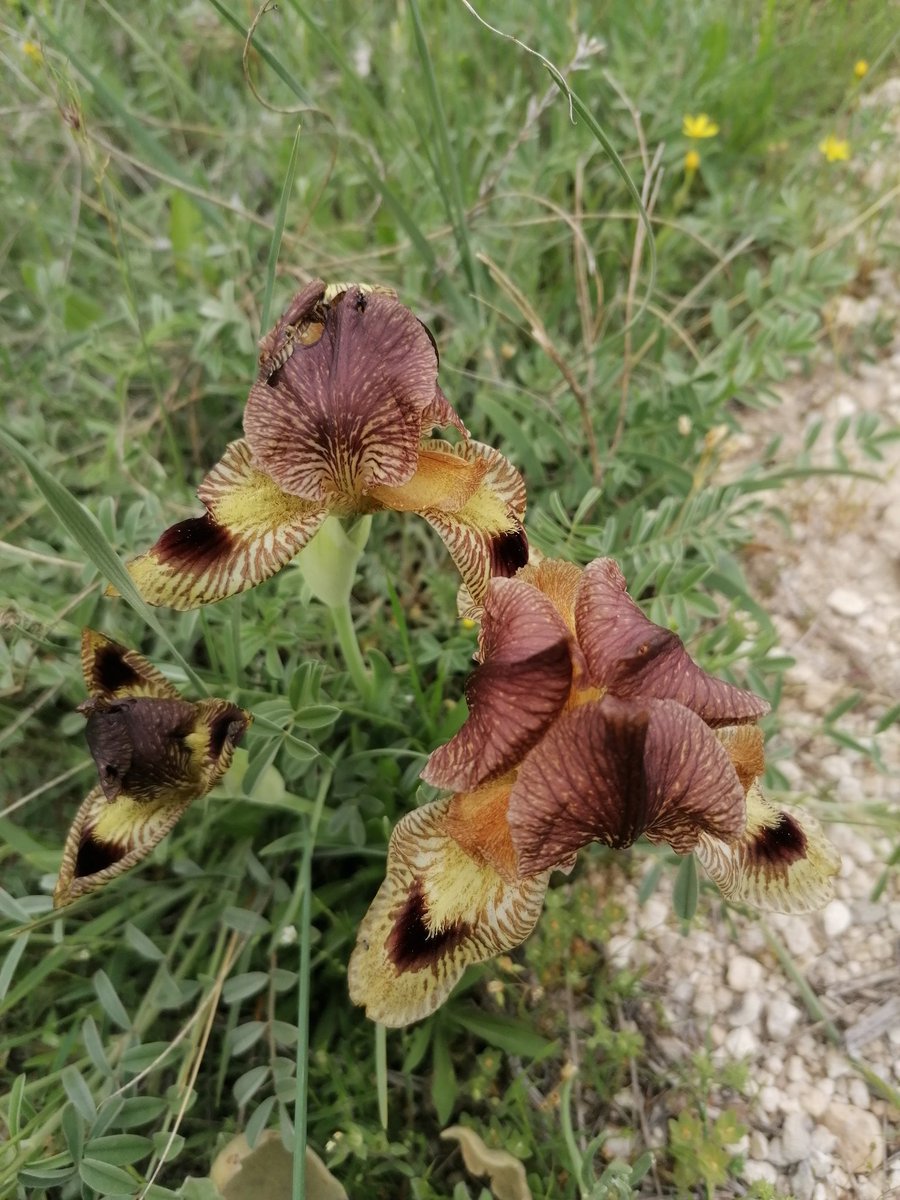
(154, 212)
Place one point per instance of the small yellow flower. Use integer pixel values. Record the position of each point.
(700, 126)
(835, 149)
(468, 623)
(691, 162)
(33, 51)
(860, 68)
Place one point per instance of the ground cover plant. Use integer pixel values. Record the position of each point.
(171, 184)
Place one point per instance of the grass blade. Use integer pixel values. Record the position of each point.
(278, 231)
(85, 529)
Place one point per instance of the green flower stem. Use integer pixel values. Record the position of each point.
(381, 1073)
(350, 649)
(304, 883)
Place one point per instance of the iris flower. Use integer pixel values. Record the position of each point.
(155, 753)
(339, 422)
(587, 722)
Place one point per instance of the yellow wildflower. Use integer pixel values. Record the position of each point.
(691, 162)
(835, 149)
(860, 68)
(700, 126)
(33, 51)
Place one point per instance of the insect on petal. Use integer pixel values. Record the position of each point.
(251, 529)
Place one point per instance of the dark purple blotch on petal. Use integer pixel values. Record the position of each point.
(412, 945)
(93, 856)
(509, 552)
(111, 671)
(781, 845)
(197, 544)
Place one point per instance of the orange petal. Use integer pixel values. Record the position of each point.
(612, 770)
(343, 413)
(438, 911)
(559, 581)
(485, 536)
(113, 671)
(251, 530)
(634, 658)
(520, 688)
(443, 480)
(781, 863)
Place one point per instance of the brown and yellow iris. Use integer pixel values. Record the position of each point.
(155, 754)
(587, 722)
(339, 421)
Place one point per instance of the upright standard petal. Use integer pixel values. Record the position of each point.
(251, 529)
(516, 693)
(348, 378)
(632, 657)
(438, 911)
(485, 535)
(782, 862)
(111, 671)
(154, 756)
(612, 770)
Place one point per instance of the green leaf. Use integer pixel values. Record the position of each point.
(284, 200)
(106, 1179)
(141, 944)
(684, 897)
(244, 920)
(109, 1000)
(240, 987)
(259, 1120)
(138, 1110)
(79, 1093)
(14, 1107)
(505, 1033)
(119, 1148)
(12, 908)
(73, 1131)
(93, 1043)
(249, 1083)
(10, 962)
(185, 231)
(443, 1079)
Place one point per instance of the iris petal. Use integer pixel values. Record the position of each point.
(343, 413)
(485, 536)
(632, 657)
(516, 693)
(155, 756)
(438, 911)
(612, 770)
(113, 671)
(781, 863)
(251, 529)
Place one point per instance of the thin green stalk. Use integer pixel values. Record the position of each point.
(277, 233)
(298, 1191)
(381, 1073)
(350, 649)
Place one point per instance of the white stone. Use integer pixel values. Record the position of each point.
(755, 1170)
(860, 1143)
(858, 1093)
(781, 1018)
(795, 1137)
(744, 974)
(740, 1042)
(747, 1012)
(803, 1183)
(814, 1100)
(759, 1145)
(846, 602)
(836, 918)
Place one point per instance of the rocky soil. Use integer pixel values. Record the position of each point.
(820, 1125)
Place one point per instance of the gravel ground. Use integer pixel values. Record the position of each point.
(830, 578)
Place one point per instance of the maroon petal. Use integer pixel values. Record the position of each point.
(518, 691)
(346, 382)
(634, 658)
(612, 770)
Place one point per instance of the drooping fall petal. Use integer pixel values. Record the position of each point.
(155, 756)
(516, 693)
(781, 863)
(112, 671)
(632, 657)
(485, 536)
(348, 377)
(438, 911)
(612, 770)
(251, 529)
